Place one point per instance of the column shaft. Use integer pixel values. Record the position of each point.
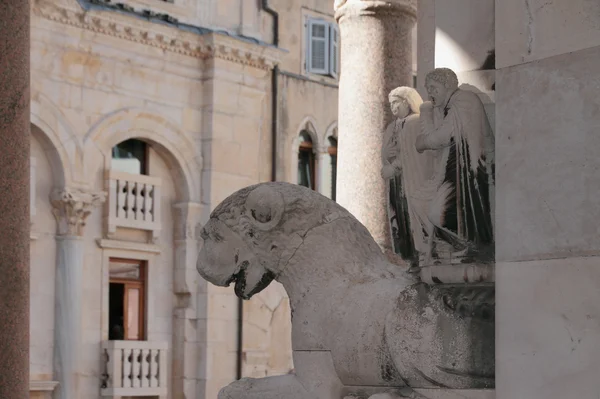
(69, 272)
(375, 58)
(14, 201)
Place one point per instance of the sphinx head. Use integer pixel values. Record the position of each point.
(252, 234)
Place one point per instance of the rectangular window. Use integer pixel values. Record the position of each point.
(127, 299)
(322, 56)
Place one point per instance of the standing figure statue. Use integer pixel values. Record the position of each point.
(455, 125)
(406, 171)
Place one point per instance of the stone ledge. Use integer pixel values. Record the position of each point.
(105, 243)
(433, 393)
(473, 273)
(458, 393)
(37, 385)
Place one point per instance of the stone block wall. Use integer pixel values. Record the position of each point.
(547, 123)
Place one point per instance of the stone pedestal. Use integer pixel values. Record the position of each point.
(71, 208)
(376, 58)
(14, 201)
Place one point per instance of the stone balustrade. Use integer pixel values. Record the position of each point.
(133, 202)
(134, 368)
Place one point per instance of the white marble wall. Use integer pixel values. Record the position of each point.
(456, 34)
(547, 124)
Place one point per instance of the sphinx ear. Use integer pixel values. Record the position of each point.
(265, 207)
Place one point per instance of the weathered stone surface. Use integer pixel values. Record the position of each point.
(356, 320)
(536, 29)
(547, 120)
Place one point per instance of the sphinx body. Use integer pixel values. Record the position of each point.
(360, 325)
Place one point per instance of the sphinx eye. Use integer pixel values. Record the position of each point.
(217, 237)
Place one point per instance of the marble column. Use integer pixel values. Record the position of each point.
(375, 58)
(71, 207)
(14, 201)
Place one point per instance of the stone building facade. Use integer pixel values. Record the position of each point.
(145, 114)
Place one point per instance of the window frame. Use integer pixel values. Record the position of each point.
(308, 147)
(141, 284)
(332, 151)
(145, 162)
(331, 47)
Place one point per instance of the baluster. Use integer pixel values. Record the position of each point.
(149, 202)
(151, 370)
(156, 207)
(108, 377)
(131, 200)
(145, 380)
(154, 369)
(136, 368)
(139, 201)
(127, 370)
(121, 199)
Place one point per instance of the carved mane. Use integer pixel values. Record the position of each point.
(302, 211)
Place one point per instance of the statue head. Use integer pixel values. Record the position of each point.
(252, 235)
(440, 84)
(404, 101)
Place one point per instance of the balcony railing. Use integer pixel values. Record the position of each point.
(133, 202)
(134, 368)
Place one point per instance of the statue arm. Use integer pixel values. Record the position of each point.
(387, 136)
(432, 138)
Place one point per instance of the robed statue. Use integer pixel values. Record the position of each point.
(445, 188)
(406, 171)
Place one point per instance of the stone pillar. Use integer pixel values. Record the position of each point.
(71, 208)
(186, 353)
(375, 58)
(14, 201)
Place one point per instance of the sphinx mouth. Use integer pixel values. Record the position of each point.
(240, 282)
(239, 278)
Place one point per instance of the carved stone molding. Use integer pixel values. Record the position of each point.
(187, 223)
(344, 8)
(71, 207)
(168, 38)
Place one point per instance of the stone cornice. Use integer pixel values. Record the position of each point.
(168, 38)
(344, 8)
(38, 385)
(71, 207)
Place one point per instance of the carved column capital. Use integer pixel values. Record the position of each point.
(71, 207)
(344, 8)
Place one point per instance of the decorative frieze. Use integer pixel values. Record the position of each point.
(169, 38)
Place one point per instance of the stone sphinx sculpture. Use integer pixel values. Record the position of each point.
(360, 327)
(447, 191)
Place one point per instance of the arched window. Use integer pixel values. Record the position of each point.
(332, 150)
(306, 161)
(130, 156)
